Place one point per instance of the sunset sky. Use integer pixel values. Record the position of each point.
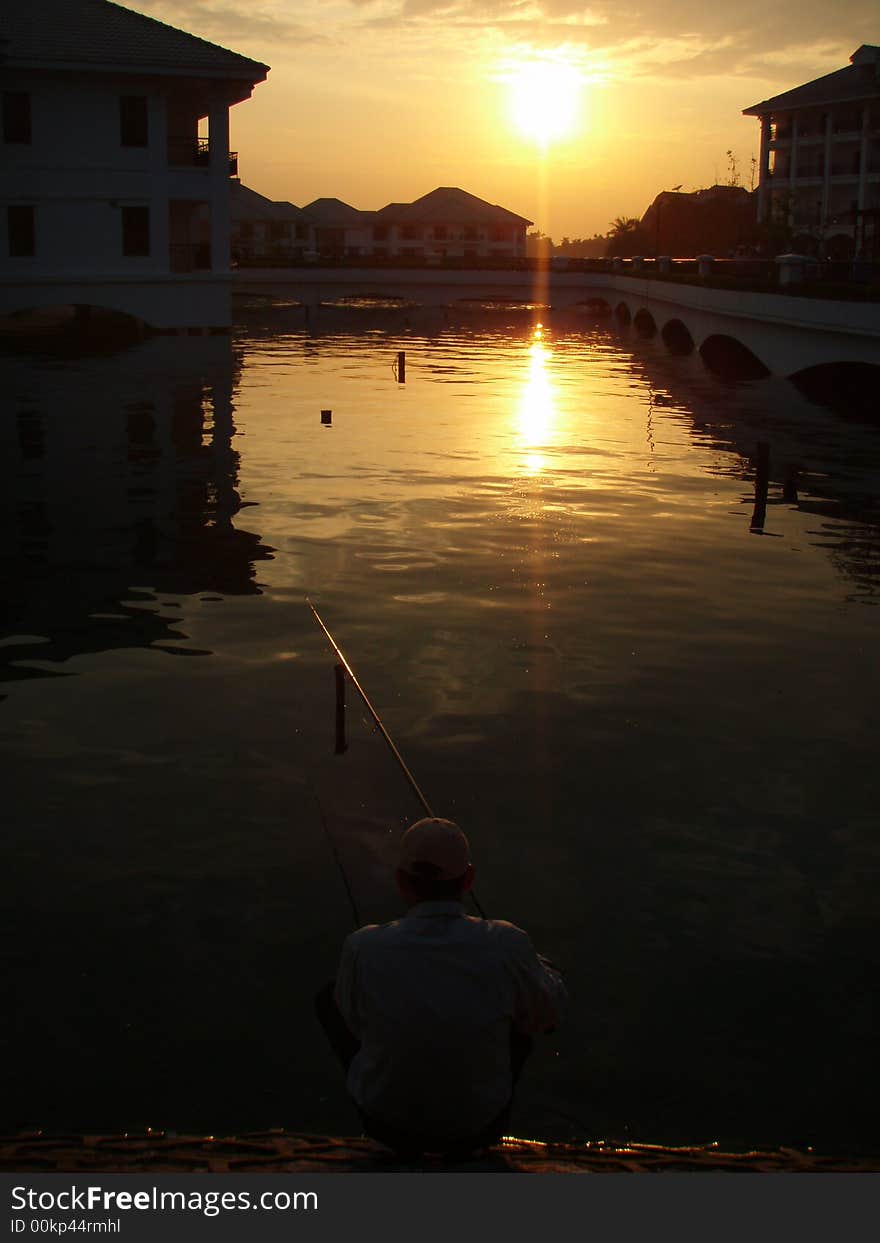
(567, 113)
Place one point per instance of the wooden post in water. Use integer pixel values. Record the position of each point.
(762, 481)
(341, 744)
(401, 367)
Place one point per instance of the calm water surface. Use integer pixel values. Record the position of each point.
(655, 717)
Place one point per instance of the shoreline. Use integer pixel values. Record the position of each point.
(291, 1152)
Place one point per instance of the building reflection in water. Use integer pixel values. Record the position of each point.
(118, 484)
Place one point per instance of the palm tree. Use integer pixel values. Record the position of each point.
(625, 236)
(623, 224)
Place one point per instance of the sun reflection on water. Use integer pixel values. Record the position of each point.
(537, 409)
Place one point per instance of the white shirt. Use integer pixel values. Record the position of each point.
(432, 998)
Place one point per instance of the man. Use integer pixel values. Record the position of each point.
(434, 1013)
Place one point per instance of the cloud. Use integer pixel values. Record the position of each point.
(745, 39)
(259, 28)
(664, 40)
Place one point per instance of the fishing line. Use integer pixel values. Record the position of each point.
(336, 856)
(383, 731)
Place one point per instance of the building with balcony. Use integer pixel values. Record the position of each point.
(267, 229)
(339, 230)
(115, 169)
(819, 165)
(446, 223)
(449, 223)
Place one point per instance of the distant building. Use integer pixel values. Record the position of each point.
(820, 157)
(446, 223)
(717, 220)
(340, 231)
(266, 229)
(451, 223)
(114, 157)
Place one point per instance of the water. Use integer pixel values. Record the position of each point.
(657, 723)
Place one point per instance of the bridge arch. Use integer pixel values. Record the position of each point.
(622, 313)
(644, 323)
(677, 338)
(851, 387)
(39, 317)
(730, 359)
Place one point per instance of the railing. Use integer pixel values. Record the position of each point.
(848, 280)
(196, 152)
(190, 256)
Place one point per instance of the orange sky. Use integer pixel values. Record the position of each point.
(373, 101)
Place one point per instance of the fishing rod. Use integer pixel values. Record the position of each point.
(414, 785)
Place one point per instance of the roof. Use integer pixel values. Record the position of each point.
(445, 205)
(450, 205)
(76, 33)
(330, 212)
(247, 204)
(858, 80)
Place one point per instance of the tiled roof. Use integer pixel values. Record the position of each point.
(333, 212)
(856, 81)
(96, 32)
(445, 205)
(247, 204)
(450, 205)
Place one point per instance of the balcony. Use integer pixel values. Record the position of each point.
(846, 168)
(190, 256)
(196, 153)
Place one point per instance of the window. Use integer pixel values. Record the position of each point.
(408, 233)
(16, 116)
(135, 230)
(21, 232)
(380, 233)
(133, 120)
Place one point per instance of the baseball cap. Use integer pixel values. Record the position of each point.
(438, 843)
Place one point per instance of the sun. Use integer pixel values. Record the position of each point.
(545, 97)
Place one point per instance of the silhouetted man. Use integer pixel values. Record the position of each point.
(433, 1015)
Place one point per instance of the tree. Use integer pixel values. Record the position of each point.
(538, 245)
(733, 177)
(626, 237)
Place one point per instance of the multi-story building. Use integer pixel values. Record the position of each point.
(819, 166)
(267, 229)
(446, 223)
(340, 230)
(115, 152)
(449, 223)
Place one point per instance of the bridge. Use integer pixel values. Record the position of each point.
(754, 333)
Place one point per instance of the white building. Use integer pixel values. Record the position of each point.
(819, 165)
(339, 230)
(268, 229)
(447, 223)
(114, 146)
